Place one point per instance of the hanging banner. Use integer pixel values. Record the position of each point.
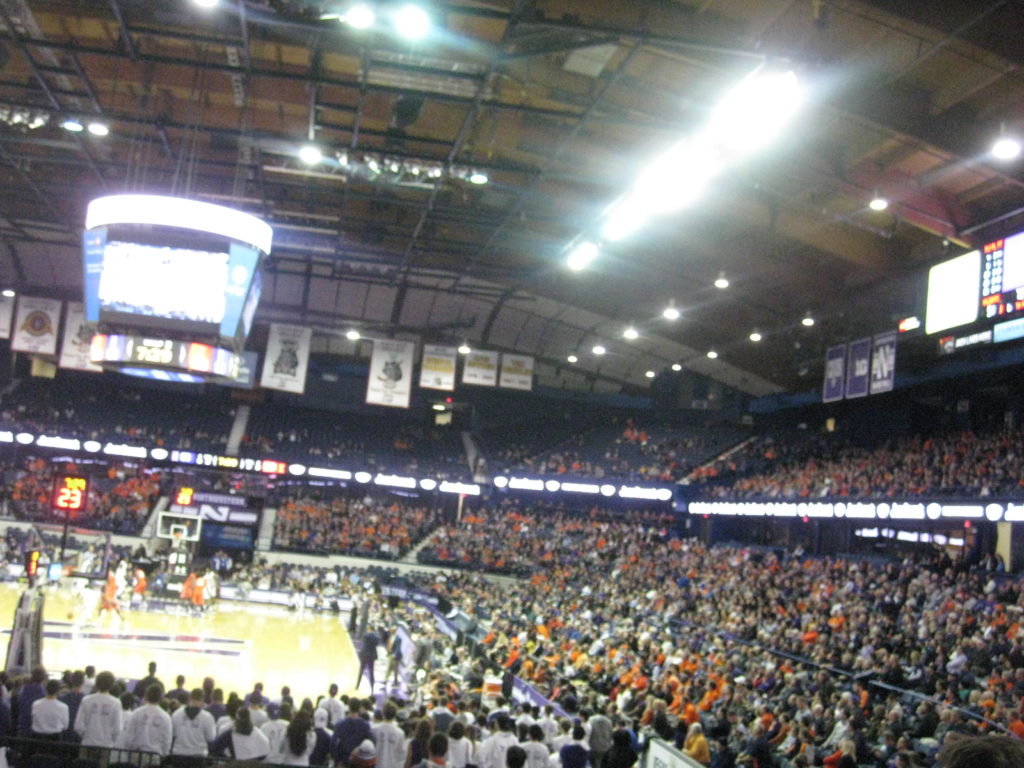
(481, 368)
(35, 326)
(516, 372)
(858, 365)
(835, 374)
(883, 363)
(284, 366)
(74, 348)
(390, 380)
(6, 314)
(437, 370)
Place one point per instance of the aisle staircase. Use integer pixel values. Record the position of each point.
(238, 427)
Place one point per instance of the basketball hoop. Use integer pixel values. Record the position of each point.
(176, 537)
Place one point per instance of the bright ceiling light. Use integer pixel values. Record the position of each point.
(572, 358)
(205, 3)
(755, 336)
(878, 203)
(72, 125)
(631, 333)
(722, 282)
(478, 177)
(598, 349)
(98, 129)
(353, 335)
(411, 22)
(675, 179)
(1005, 148)
(712, 354)
(360, 16)
(625, 218)
(310, 155)
(581, 256)
(649, 374)
(8, 293)
(754, 112)
(808, 321)
(670, 312)
(439, 407)
(464, 348)
(677, 367)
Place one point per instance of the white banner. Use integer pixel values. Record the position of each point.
(74, 348)
(284, 366)
(516, 372)
(35, 326)
(390, 380)
(437, 370)
(6, 313)
(481, 368)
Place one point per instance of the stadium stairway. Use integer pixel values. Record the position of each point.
(238, 427)
(723, 455)
(265, 537)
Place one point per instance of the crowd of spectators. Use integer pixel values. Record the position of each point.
(359, 441)
(655, 454)
(518, 539)
(382, 527)
(961, 464)
(87, 407)
(120, 498)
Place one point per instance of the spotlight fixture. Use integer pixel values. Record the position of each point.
(71, 125)
(712, 354)
(353, 335)
(631, 333)
(677, 367)
(808, 320)
(205, 3)
(464, 348)
(411, 22)
(360, 16)
(1005, 147)
(581, 256)
(572, 358)
(478, 177)
(310, 155)
(755, 336)
(671, 312)
(755, 111)
(8, 293)
(97, 128)
(649, 374)
(598, 350)
(878, 203)
(722, 282)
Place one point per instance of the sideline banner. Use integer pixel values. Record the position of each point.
(390, 379)
(35, 329)
(74, 348)
(284, 367)
(437, 370)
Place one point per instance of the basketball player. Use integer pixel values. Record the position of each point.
(109, 600)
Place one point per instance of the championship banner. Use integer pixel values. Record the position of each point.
(835, 374)
(481, 368)
(516, 372)
(74, 348)
(858, 365)
(6, 314)
(390, 380)
(284, 366)
(883, 363)
(35, 326)
(437, 370)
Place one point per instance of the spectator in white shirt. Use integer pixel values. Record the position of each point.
(390, 740)
(243, 741)
(98, 722)
(149, 728)
(537, 754)
(194, 727)
(299, 740)
(49, 715)
(336, 710)
(492, 752)
(274, 730)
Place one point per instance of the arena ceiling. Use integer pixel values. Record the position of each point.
(560, 104)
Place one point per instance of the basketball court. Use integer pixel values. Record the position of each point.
(236, 644)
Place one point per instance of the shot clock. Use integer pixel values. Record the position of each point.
(70, 494)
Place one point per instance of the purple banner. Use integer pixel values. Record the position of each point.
(835, 374)
(858, 368)
(883, 363)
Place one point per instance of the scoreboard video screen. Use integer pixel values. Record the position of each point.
(1002, 277)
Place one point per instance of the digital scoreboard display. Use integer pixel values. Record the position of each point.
(70, 493)
(193, 357)
(1002, 277)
